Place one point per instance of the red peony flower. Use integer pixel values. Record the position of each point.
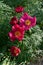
(15, 51)
(14, 20)
(19, 9)
(16, 33)
(27, 21)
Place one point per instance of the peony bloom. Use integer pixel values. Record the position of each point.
(27, 21)
(16, 33)
(15, 51)
(14, 20)
(19, 9)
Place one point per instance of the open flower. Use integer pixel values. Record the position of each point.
(27, 21)
(16, 33)
(15, 51)
(14, 20)
(19, 9)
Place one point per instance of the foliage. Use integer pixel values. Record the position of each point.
(32, 45)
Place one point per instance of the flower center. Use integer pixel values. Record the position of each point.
(15, 51)
(27, 22)
(17, 33)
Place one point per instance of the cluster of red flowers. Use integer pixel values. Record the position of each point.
(19, 27)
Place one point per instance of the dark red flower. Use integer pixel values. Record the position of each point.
(19, 9)
(16, 33)
(15, 51)
(14, 20)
